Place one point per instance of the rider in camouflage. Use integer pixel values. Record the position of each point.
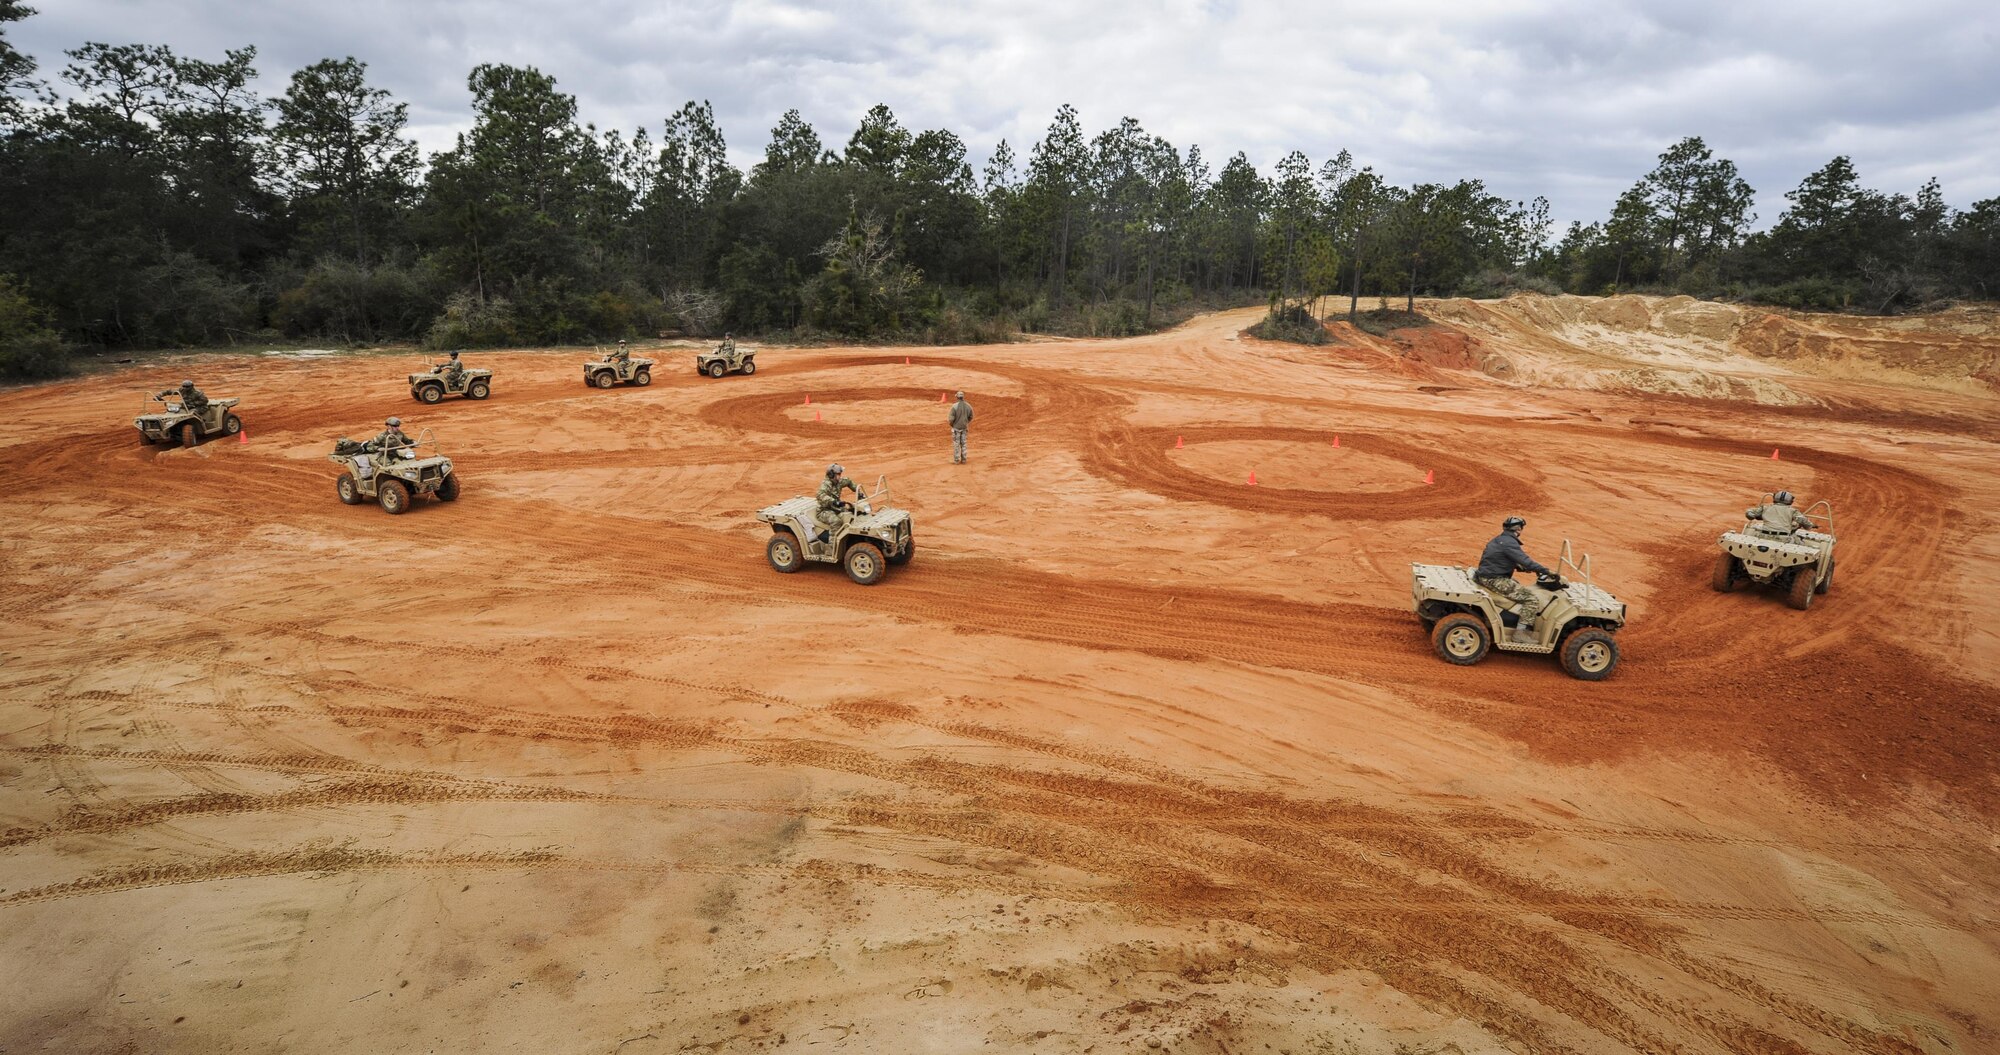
(727, 347)
(191, 397)
(833, 512)
(1497, 564)
(620, 359)
(1778, 516)
(451, 369)
(391, 438)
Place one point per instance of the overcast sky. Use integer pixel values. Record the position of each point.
(1571, 99)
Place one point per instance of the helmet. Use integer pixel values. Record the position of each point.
(454, 355)
(1783, 498)
(835, 469)
(621, 342)
(394, 423)
(187, 384)
(1511, 523)
(960, 395)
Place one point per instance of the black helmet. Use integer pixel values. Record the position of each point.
(394, 423)
(1783, 498)
(187, 384)
(1511, 523)
(835, 469)
(454, 355)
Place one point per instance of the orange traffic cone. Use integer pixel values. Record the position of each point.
(1774, 454)
(1253, 478)
(815, 415)
(243, 436)
(1430, 476)
(809, 400)
(1336, 441)
(906, 360)
(940, 397)
(1177, 443)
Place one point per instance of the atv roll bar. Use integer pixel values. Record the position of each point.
(1568, 558)
(881, 488)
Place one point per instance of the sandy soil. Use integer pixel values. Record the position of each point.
(1134, 756)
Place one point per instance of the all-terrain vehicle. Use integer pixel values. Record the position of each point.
(177, 423)
(607, 372)
(869, 543)
(394, 479)
(715, 362)
(1798, 562)
(1466, 621)
(433, 385)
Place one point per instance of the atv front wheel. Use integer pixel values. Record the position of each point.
(908, 551)
(1462, 639)
(448, 490)
(394, 496)
(716, 370)
(1590, 654)
(430, 394)
(190, 434)
(864, 563)
(479, 390)
(348, 488)
(231, 424)
(1724, 578)
(783, 552)
(1801, 594)
(604, 379)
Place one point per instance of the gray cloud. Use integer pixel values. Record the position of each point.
(1565, 98)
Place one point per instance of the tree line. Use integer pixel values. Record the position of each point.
(155, 199)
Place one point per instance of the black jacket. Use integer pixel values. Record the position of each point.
(1503, 557)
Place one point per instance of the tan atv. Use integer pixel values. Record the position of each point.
(607, 372)
(1798, 562)
(870, 542)
(1466, 621)
(717, 362)
(394, 479)
(188, 427)
(433, 386)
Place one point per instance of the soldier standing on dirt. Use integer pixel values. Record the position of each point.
(452, 370)
(191, 397)
(833, 513)
(961, 419)
(1777, 516)
(1497, 564)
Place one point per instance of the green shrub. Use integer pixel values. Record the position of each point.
(29, 350)
(352, 302)
(1805, 294)
(1291, 322)
(470, 322)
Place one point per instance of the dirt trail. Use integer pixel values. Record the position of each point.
(1133, 753)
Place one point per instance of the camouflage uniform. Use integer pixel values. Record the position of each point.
(833, 513)
(451, 370)
(1777, 518)
(1497, 564)
(191, 397)
(961, 419)
(727, 347)
(388, 440)
(620, 359)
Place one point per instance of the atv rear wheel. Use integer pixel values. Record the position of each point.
(783, 552)
(1462, 639)
(479, 390)
(716, 369)
(643, 378)
(1724, 578)
(749, 367)
(604, 379)
(1590, 654)
(1801, 593)
(864, 563)
(1826, 583)
(430, 393)
(231, 424)
(448, 489)
(348, 488)
(394, 496)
